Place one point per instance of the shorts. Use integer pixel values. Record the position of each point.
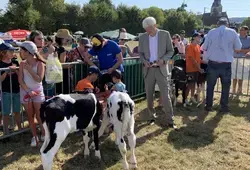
(36, 99)
(16, 105)
(192, 77)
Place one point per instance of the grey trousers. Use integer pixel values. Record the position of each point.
(154, 76)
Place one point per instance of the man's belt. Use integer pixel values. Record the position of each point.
(154, 64)
(218, 62)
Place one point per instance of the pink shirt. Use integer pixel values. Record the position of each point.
(181, 47)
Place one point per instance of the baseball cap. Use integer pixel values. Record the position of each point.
(97, 40)
(182, 32)
(7, 46)
(117, 74)
(29, 46)
(201, 31)
(196, 34)
(86, 42)
(94, 70)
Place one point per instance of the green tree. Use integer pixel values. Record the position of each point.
(157, 13)
(174, 22)
(71, 17)
(108, 2)
(131, 18)
(97, 17)
(22, 14)
(52, 14)
(246, 22)
(181, 20)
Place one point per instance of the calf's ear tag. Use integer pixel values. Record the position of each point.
(189, 77)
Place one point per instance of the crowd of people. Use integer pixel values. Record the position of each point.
(156, 48)
(216, 50)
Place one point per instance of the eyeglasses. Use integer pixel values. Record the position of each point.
(174, 38)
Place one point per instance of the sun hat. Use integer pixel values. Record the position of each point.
(64, 33)
(86, 42)
(29, 46)
(123, 36)
(7, 46)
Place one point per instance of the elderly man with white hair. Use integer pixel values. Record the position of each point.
(155, 49)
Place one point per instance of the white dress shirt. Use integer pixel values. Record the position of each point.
(153, 47)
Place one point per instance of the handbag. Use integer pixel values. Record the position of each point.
(53, 73)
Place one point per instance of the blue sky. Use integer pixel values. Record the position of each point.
(234, 8)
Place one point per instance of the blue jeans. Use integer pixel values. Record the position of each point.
(215, 71)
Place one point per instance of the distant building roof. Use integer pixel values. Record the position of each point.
(209, 20)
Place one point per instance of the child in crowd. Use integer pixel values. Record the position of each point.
(118, 84)
(10, 96)
(31, 74)
(86, 83)
(193, 61)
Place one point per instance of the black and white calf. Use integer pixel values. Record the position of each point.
(179, 78)
(64, 114)
(201, 84)
(120, 113)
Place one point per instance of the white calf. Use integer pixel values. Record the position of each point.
(120, 112)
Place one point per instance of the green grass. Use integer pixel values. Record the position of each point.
(214, 142)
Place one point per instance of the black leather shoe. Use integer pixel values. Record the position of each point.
(224, 111)
(151, 122)
(171, 125)
(208, 109)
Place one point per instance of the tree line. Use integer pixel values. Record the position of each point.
(92, 17)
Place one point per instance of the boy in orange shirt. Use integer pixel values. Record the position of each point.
(193, 61)
(86, 83)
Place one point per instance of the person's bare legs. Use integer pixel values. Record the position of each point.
(18, 120)
(192, 89)
(1, 119)
(6, 124)
(160, 100)
(240, 84)
(30, 114)
(234, 85)
(37, 107)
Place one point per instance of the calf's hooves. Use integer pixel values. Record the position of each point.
(133, 165)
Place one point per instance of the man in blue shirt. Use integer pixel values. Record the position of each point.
(109, 56)
(220, 45)
(239, 71)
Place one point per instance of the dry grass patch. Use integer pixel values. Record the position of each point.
(216, 141)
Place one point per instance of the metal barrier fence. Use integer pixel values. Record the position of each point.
(75, 71)
(240, 71)
(133, 78)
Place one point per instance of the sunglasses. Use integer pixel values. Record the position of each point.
(174, 38)
(40, 39)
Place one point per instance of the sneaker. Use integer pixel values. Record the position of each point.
(33, 141)
(186, 103)
(42, 138)
(193, 100)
